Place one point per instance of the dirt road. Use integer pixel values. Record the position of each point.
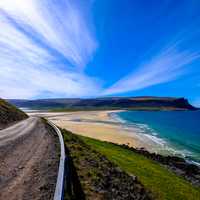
(29, 158)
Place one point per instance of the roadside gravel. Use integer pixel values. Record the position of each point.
(29, 157)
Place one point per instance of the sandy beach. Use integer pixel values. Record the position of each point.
(97, 124)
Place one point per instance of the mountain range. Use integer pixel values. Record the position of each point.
(130, 103)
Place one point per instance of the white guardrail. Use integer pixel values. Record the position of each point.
(59, 191)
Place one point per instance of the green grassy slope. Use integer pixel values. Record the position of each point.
(95, 177)
(9, 114)
(164, 184)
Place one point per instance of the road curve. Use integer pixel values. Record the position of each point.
(29, 158)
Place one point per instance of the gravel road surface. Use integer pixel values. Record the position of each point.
(29, 158)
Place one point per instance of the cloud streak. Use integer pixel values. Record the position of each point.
(166, 66)
(44, 47)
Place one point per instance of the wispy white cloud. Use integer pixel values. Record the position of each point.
(196, 102)
(30, 82)
(44, 47)
(168, 65)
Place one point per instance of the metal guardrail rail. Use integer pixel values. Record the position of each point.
(59, 191)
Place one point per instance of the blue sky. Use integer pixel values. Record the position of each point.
(93, 48)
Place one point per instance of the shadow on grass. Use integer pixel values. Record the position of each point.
(73, 189)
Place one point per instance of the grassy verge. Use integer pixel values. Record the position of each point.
(93, 176)
(164, 184)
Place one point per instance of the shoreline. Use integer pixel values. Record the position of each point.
(101, 125)
(107, 126)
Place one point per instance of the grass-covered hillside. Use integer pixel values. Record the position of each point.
(107, 103)
(164, 184)
(9, 114)
(95, 175)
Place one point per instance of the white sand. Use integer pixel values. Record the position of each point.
(98, 125)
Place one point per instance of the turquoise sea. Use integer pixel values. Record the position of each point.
(177, 131)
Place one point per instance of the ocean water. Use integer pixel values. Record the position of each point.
(177, 132)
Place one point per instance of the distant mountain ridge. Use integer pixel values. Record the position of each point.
(9, 114)
(130, 103)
